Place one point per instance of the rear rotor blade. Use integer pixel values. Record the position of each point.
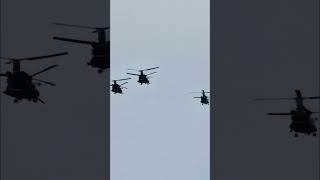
(46, 82)
(4, 75)
(44, 70)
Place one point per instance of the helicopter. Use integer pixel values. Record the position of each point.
(302, 122)
(20, 84)
(100, 50)
(117, 88)
(204, 98)
(143, 78)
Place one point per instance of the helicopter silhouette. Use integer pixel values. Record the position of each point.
(204, 98)
(20, 84)
(117, 88)
(143, 78)
(100, 50)
(302, 122)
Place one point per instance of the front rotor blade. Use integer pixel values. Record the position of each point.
(196, 97)
(134, 74)
(44, 70)
(46, 82)
(150, 69)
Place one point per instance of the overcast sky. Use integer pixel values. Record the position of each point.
(159, 131)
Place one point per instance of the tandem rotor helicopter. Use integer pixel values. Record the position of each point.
(302, 122)
(203, 99)
(20, 84)
(143, 78)
(117, 88)
(100, 50)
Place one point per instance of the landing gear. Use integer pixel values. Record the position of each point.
(314, 134)
(296, 135)
(16, 100)
(100, 71)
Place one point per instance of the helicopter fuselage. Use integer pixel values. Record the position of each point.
(100, 56)
(302, 122)
(204, 100)
(143, 79)
(116, 89)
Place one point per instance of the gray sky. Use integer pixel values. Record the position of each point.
(65, 138)
(263, 49)
(159, 131)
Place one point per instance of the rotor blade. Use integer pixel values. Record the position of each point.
(75, 41)
(134, 69)
(44, 70)
(122, 79)
(123, 83)
(41, 101)
(6, 58)
(37, 57)
(101, 29)
(80, 26)
(134, 74)
(5, 75)
(47, 56)
(46, 82)
(317, 97)
(267, 99)
(196, 97)
(149, 69)
(151, 73)
(279, 114)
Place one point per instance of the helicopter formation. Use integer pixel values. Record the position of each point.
(21, 85)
